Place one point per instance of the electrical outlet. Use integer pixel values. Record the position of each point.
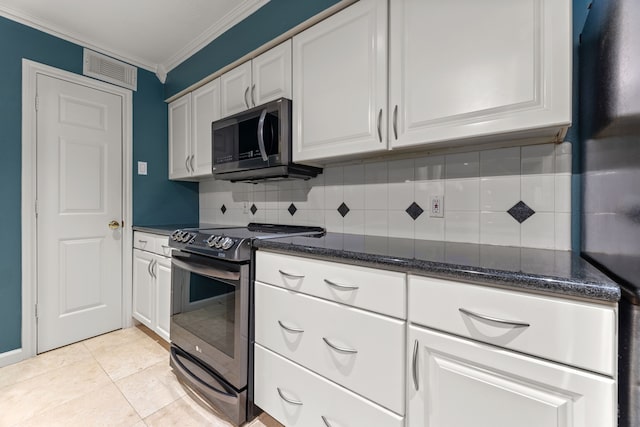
(245, 207)
(437, 206)
(142, 168)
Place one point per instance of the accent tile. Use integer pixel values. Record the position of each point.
(521, 212)
(414, 210)
(343, 209)
(223, 209)
(292, 209)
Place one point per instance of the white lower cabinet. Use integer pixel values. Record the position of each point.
(152, 283)
(455, 382)
(298, 397)
(322, 358)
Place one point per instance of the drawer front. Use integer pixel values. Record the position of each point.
(144, 241)
(368, 288)
(275, 375)
(361, 351)
(154, 243)
(575, 333)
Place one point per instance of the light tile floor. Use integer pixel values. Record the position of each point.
(117, 379)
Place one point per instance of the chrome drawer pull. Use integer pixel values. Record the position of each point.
(290, 329)
(293, 276)
(340, 349)
(339, 286)
(282, 396)
(494, 319)
(414, 366)
(325, 421)
(144, 242)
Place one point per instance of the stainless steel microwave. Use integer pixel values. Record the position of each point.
(255, 145)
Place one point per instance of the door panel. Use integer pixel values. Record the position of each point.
(79, 191)
(179, 137)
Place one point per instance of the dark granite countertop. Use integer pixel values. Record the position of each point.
(562, 273)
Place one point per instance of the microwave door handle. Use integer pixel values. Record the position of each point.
(263, 151)
(206, 271)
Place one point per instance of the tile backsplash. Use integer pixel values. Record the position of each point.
(518, 196)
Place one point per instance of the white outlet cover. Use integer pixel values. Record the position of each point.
(436, 210)
(142, 168)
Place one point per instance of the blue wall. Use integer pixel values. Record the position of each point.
(156, 200)
(267, 23)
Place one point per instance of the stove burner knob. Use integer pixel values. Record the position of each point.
(227, 243)
(218, 242)
(174, 235)
(186, 237)
(212, 240)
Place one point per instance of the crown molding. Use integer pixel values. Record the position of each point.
(46, 27)
(235, 16)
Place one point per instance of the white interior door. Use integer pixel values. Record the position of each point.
(79, 192)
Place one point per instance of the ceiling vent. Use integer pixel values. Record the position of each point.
(109, 70)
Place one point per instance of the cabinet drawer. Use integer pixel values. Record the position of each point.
(372, 289)
(575, 333)
(318, 397)
(361, 351)
(154, 243)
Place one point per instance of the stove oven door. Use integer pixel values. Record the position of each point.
(210, 315)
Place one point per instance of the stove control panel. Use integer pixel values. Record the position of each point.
(220, 242)
(182, 236)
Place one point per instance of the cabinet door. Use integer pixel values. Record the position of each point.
(143, 292)
(463, 69)
(162, 271)
(206, 109)
(271, 74)
(340, 84)
(455, 382)
(180, 137)
(235, 88)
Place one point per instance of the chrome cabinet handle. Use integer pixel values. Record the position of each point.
(191, 162)
(395, 122)
(253, 95)
(293, 276)
(515, 324)
(340, 349)
(286, 399)
(339, 286)
(379, 124)
(263, 151)
(149, 268)
(414, 366)
(144, 242)
(325, 421)
(186, 164)
(290, 329)
(154, 263)
(246, 92)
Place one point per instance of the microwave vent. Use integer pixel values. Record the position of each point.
(109, 70)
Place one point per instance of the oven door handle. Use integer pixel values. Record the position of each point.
(216, 273)
(224, 395)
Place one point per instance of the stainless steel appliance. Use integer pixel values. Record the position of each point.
(610, 131)
(211, 320)
(256, 145)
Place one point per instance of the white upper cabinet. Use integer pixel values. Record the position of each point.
(179, 137)
(205, 109)
(190, 118)
(271, 73)
(263, 79)
(468, 70)
(235, 88)
(340, 84)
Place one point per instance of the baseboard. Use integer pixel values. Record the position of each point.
(11, 357)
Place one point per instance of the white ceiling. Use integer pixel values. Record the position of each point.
(153, 34)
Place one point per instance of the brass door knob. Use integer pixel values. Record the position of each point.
(114, 225)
